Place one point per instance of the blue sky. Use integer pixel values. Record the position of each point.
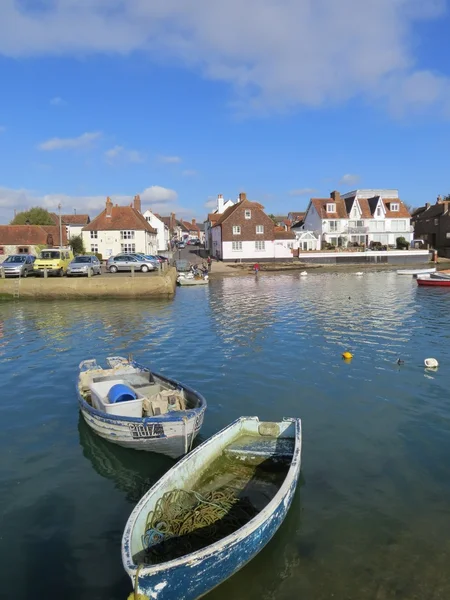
(180, 100)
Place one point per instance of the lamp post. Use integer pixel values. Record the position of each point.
(60, 225)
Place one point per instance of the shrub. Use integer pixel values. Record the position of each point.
(402, 244)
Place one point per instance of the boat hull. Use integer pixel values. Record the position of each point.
(185, 281)
(171, 434)
(196, 575)
(430, 282)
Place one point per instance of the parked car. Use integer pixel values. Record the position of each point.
(181, 245)
(125, 262)
(163, 258)
(82, 265)
(54, 260)
(194, 242)
(18, 265)
(149, 257)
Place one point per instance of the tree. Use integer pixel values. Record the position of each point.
(273, 217)
(77, 245)
(34, 216)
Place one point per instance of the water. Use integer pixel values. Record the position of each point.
(371, 516)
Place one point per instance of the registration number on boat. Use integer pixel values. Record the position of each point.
(138, 431)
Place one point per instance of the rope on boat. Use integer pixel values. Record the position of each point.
(185, 521)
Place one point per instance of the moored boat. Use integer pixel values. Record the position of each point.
(433, 281)
(416, 271)
(213, 511)
(131, 406)
(191, 279)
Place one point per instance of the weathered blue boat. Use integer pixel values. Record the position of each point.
(213, 511)
(129, 405)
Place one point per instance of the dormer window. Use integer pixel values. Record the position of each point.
(331, 207)
(378, 211)
(395, 207)
(248, 214)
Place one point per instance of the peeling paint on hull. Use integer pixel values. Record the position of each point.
(195, 575)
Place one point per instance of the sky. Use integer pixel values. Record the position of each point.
(181, 100)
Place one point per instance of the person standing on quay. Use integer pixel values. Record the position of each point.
(208, 260)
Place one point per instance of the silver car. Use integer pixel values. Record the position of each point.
(125, 262)
(83, 265)
(18, 265)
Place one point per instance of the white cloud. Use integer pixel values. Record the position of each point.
(57, 101)
(349, 179)
(189, 173)
(211, 203)
(275, 55)
(82, 141)
(169, 160)
(121, 154)
(302, 192)
(158, 198)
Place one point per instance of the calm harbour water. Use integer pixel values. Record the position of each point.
(371, 516)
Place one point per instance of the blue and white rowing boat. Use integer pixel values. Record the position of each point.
(131, 406)
(259, 464)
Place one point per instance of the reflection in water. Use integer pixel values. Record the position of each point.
(131, 471)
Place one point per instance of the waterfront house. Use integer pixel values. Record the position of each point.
(29, 239)
(212, 218)
(163, 234)
(245, 233)
(120, 229)
(357, 218)
(189, 231)
(73, 224)
(432, 225)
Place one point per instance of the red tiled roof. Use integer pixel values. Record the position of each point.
(392, 214)
(30, 235)
(213, 217)
(231, 209)
(320, 204)
(367, 205)
(122, 218)
(283, 234)
(71, 219)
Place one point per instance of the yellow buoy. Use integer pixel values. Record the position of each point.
(347, 355)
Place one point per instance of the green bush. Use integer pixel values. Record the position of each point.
(402, 244)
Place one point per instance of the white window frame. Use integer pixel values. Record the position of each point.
(331, 207)
(127, 234)
(436, 222)
(248, 214)
(378, 211)
(94, 235)
(260, 229)
(335, 225)
(128, 248)
(236, 230)
(236, 246)
(260, 246)
(395, 206)
(94, 248)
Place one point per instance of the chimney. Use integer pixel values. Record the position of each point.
(109, 207)
(137, 203)
(220, 204)
(193, 222)
(335, 195)
(242, 197)
(439, 199)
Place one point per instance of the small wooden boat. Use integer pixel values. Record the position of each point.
(213, 511)
(193, 280)
(416, 271)
(131, 406)
(433, 281)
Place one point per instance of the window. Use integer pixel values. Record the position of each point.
(436, 221)
(260, 229)
(128, 247)
(331, 207)
(22, 250)
(248, 214)
(94, 247)
(395, 207)
(236, 246)
(379, 211)
(236, 229)
(260, 245)
(94, 235)
(333, 225)
(127, 235)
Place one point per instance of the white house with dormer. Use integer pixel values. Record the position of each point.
(212, 219)
(357, 218)
(163, 236)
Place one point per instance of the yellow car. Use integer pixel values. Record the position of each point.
(55, 260)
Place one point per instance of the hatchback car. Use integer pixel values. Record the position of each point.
(83, 265)
(126, 262)
(149, 257)
(18, 265)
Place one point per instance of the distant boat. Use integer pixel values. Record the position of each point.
(187, 280)
(213, 511)
(131, 406)
(416, 271)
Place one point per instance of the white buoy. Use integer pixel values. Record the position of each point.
(303, 273)
(431, 363)
(359, 273)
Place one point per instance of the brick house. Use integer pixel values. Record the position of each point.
(432, 225)
(120, 229)
(29, 239)
(245, 232)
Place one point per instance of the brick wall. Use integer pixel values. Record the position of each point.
(248, 226)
